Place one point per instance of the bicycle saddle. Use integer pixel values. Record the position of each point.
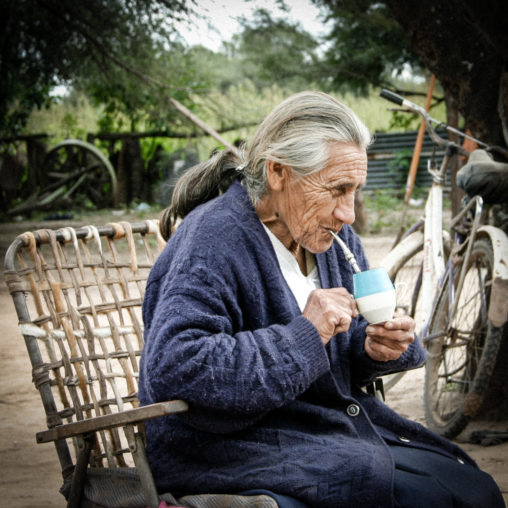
(485, 177)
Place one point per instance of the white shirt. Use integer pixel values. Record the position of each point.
(301, 285)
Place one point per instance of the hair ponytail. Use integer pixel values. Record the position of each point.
(199, 184)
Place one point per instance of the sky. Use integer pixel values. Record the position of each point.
(223, 15)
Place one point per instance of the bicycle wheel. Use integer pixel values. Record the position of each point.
(406, 275)
(463, 349)
(404, 265)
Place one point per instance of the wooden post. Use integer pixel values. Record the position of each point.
(413, 168)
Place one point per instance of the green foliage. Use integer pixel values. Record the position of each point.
(58, 41)
(122, 62)
(382, 207)
(131, 101)
(275, 50)
(215, 70)
(125, 56)
(371, 108)
(239, 109)
(72, 116)
(398, 167)
(381, 199)
(367, 46)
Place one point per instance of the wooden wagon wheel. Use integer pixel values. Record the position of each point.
(75, 164)
(73, 172)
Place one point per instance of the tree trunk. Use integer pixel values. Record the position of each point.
(36, 151)
(130, 172)
(136, 169)
(464, 43)
(360, 224)
(495, 405)
(452, 119)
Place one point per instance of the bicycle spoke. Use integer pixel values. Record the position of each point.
(462, 348)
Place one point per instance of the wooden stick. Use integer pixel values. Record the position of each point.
(413, 168)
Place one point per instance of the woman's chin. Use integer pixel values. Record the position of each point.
(318, 247)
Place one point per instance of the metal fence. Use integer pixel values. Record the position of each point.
(389, 148)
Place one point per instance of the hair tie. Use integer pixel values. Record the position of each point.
(241, 167)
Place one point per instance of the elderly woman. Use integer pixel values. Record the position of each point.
(250, 319)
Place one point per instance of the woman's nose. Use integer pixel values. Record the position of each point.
(345, 209)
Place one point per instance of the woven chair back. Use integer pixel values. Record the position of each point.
(78, 295)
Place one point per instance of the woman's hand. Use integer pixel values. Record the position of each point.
(387, 341)
(330, 311)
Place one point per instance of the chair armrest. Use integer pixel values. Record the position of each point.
(137, 415)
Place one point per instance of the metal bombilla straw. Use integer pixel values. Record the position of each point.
(349, 255)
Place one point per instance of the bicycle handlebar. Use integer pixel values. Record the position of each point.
(411, 106)
(391, 96)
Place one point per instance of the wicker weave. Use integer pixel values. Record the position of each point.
(84, 290)
(78, 296)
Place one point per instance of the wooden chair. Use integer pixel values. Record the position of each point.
(78, 295)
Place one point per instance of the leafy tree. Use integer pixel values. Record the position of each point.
(137, 89)
(48, 42)
(366, 45)
(465, 44)
(275, 50)
(215, 70)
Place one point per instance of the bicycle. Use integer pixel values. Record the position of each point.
(457, 280)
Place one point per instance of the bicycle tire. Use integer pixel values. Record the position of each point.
(462, 356)
(404, 266)
(406, 275)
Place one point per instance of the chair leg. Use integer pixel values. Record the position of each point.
(137, 447)
(78, 477)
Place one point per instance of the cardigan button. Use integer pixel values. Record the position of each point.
(460, 461)
(353, 410)
(404, 439)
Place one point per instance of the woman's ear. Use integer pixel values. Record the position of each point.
(276, 174)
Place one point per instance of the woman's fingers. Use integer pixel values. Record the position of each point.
(330, 311)
(387, 341)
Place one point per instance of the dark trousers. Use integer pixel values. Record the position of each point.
(424, 479)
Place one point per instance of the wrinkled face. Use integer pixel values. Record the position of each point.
(312, 205)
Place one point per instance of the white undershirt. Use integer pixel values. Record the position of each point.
(300, 285)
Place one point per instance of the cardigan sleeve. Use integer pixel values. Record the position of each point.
(365, 369)
(196, 349)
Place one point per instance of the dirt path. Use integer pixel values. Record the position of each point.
(29, 473)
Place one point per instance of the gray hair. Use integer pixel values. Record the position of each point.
(297, 133)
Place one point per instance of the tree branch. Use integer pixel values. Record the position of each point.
(149, 81)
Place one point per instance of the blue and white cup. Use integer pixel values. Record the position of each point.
(375, 295)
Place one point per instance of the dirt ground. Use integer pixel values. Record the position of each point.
(29, 473)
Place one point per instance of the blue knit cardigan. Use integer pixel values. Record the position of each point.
(270, 406)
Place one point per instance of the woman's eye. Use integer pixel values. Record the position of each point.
(338, 191)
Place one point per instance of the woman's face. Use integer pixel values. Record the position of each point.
(310, 206)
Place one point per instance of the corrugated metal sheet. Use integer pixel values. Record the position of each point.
(385, 148)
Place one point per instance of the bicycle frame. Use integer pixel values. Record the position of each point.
(442, 272)
(435, 270)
